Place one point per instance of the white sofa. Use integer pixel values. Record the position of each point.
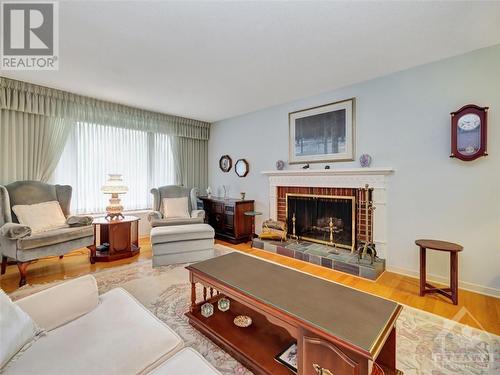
(91, 334)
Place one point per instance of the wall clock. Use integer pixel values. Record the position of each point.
(225, 163)
(241, 167)
(468, 132)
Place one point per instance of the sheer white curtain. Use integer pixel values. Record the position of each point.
(93, 151)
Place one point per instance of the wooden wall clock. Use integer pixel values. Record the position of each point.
(469, 132)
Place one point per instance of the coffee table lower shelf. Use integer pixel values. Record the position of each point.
(255, 346)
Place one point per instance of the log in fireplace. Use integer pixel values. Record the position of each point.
(326, 219)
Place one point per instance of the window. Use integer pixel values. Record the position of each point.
(93, 151)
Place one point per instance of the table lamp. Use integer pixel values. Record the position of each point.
(114, 186)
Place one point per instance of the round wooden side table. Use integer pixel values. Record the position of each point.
(453, 249)
(120, 235)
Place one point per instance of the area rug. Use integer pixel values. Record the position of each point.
(426, 343)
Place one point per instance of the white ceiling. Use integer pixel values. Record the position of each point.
(214, 60)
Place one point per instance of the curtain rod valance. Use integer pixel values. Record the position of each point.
(30, 98)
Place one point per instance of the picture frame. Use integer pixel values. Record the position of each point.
(288, 357)
(323, 134)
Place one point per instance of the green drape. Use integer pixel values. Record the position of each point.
(191, 161)
(34, 99)
(36, 121)
(30, 145)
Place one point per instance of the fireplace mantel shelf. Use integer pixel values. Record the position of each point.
(330, 172)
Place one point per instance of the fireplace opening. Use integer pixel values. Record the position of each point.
(326, 219)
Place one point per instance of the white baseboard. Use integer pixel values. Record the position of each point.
(486, 290)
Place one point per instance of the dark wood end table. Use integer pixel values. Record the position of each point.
(122, 236)
(453, 249)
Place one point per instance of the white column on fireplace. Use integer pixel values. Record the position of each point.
(339, 178)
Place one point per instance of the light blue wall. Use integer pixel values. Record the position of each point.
(403, 121)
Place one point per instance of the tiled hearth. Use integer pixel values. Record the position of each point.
(326, 256)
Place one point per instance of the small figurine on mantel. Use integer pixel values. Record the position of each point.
(327, 167)
(306, 166)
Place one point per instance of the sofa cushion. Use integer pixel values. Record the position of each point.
(186, 361)
(54, 237)
(71, 299)
(181, 233)
(176, 221)
(120, 336)
(40, 217)
(17, 329)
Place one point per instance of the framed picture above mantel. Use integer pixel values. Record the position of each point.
(322, 134)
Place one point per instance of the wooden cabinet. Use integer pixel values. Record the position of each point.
(227, 217)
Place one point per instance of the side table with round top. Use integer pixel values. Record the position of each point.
(453, 249)
(121, 235)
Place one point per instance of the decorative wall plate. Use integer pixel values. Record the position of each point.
(280, 164)
(241, 167)
(225, 163)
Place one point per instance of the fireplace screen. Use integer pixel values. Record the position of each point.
(321, 218)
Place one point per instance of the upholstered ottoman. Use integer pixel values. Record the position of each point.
(182, 244)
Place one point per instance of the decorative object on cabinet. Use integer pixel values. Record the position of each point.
(225, 163)
(242, 195)
(241, 167)
(226, 216)
(223, 304)
(207, 309)
(288, 357)
(365, 160)
(114, 186)
(469, 132)
(453, 249)
(322, 134)
(280, 164)
(209, 192)
(242, 321)
(226, 191)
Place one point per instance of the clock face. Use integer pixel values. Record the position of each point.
(469, 122)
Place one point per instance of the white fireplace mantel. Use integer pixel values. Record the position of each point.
(340, 178)
(330, 172)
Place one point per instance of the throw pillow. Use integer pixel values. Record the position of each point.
(17, 329)
(41, 217)
(175, 207)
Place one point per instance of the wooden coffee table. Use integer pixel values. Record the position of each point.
(122, 236)
(337, 329)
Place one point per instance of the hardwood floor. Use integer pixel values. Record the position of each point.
(480, 311)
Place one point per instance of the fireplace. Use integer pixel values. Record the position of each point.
(326, 219)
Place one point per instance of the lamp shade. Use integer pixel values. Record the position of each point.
(114, 185)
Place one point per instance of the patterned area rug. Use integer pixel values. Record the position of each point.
(426, 343)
